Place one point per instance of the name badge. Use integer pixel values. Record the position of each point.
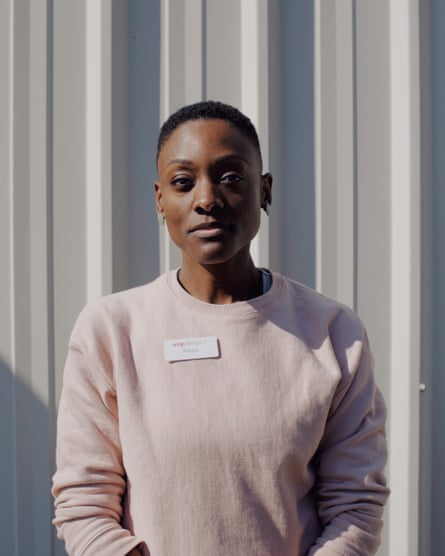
(191, 348)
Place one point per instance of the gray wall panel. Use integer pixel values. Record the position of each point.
(69, 152)
(438, 292)
(223, 28)
(297, 190)
(143, 126)
(373, 179)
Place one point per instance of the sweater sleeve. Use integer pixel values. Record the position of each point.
(350, 464)
(89, 483)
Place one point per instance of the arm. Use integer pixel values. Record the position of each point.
(350, 462)
(90, 479)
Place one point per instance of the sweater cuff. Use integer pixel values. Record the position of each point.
(97, 537)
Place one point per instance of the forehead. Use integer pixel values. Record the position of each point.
(198, 138)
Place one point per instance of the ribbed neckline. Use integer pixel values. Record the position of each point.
(251, 306)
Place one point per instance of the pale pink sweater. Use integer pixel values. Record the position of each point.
(275, 448)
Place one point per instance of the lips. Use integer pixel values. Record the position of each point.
(210, 229)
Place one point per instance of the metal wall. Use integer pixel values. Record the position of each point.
(334, 89)
(432, 447)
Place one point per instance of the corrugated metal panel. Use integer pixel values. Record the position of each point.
(332, 89)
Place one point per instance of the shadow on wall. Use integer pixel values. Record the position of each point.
(26, 466)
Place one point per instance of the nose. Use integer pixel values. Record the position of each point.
(207, 196)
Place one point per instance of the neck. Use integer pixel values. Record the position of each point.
(221, 283)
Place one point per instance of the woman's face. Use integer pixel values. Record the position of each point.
(211, 190)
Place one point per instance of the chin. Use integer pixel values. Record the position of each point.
(218, 256)
(212, 260)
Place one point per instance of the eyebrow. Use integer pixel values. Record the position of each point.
(225, 158)
(182, 161)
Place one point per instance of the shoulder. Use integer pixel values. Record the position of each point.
(331, 331)
(111, 316)
(322, 315)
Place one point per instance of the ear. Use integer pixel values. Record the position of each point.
(266, 190)
(158, 196)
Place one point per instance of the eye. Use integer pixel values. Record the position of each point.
(231, 178)
(182, 182)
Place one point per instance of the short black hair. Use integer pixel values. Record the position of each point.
(209, 110)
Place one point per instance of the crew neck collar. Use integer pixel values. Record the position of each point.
(249, 306)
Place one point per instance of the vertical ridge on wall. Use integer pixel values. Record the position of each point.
(69, 173)
(293, 142)
(274, 152)
(194, 50)
(405, 276)
(136, 75)
(173, 87)
(435, 249)
(7, 500)
(346, 153)
(373, 180)
(428, 458)
(204, 40)
(335, 155)
(21, 279)
(354, 152)
(97, 152)
(56, 545)
(41, 264)
(254, 100)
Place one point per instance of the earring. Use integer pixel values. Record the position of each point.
(161, 219)
(266, 209)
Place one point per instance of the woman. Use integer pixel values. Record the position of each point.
(222, 408)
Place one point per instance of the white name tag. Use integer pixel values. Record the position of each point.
(191, 348)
